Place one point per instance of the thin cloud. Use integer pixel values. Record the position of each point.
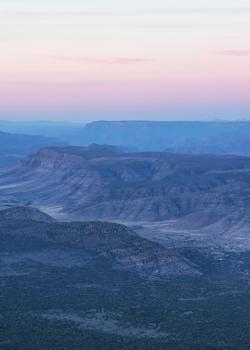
(234, 53)
(93, 60)
(136, 12)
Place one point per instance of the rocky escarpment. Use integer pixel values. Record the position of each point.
(101, 183)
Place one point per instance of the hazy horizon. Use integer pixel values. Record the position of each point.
(84, 122)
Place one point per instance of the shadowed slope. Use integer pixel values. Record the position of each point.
(116, 242)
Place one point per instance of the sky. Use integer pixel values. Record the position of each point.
(85, 60)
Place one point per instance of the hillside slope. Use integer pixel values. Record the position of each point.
(100, 183)
(95, 285)
(114, 242)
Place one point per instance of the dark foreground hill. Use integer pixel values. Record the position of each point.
(22, 213)
(97, 285)
(98, 182)
(114, 241)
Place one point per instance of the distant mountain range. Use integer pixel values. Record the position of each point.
(64, 131)
(215, 137)
(13, 147)
(99, 182)
(175, 137)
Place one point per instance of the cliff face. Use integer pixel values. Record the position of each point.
(101, 183)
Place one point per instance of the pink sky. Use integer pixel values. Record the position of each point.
(146, 60)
